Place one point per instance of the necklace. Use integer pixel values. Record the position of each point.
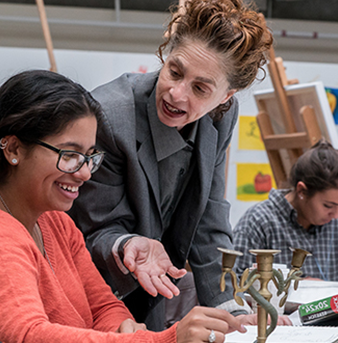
(5, 205)
(39, 234)
(37, 230)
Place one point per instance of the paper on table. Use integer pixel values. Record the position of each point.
(309, 290)
(285, 334)
(295, 318)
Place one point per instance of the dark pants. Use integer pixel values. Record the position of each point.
(159, 313)
(177, 307)
(146, 309)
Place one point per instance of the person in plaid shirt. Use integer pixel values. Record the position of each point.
(304, 216)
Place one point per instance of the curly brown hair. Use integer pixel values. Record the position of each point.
(228, 27)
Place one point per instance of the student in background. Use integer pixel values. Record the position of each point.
(304, 216)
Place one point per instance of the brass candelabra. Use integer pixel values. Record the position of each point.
(264, 273)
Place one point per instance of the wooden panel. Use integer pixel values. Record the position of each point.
(287, 141)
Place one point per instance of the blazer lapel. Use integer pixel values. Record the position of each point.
(148, 162)
(147, 157)
(206, 147)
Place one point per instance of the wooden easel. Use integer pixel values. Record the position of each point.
(46, 33)
(284, 149)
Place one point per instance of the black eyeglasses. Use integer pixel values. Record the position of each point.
(71, 161)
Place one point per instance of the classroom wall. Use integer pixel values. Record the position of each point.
(92, 68)
(77, 28)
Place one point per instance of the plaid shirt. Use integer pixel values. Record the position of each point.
(272, 224)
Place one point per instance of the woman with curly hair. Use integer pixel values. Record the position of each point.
(158, 199)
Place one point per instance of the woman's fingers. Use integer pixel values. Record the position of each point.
(162, 285)
(215, 336)
(248, 319)
(204, 324)
(169, 285)
(145, 281)
(176, 273)
(229, 322)
(154, 285)
(130, 326)
(284, 320)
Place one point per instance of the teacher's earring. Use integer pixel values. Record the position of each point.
(14, 161)
(3, 144)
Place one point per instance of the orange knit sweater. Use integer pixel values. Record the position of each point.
(66, 302)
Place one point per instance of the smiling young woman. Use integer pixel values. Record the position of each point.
(50, 290)
(31, 182)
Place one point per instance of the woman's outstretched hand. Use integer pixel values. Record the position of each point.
(196, 326)
(150, 263)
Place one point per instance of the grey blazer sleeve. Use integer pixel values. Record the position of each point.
(102, 211)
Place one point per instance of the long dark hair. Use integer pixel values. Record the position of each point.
(37, 103)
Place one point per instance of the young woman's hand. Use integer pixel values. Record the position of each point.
(130, 326)
(198, 324)
(251, 319)
(312, 278)
(150, 263)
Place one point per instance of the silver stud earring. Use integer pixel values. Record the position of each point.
(14, 160)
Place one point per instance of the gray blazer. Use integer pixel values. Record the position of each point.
(123, 196)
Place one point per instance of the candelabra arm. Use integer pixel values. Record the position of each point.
(237, 289)
(294, 274)
(244, 283)
(278, 280)
(246, 280)
(243, 278)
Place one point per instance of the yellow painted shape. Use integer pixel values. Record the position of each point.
(332, 100)
(249, 137)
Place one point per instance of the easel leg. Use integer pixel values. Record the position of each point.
(46, 33)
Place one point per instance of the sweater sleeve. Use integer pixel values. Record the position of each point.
(108, 312)
(22, 311)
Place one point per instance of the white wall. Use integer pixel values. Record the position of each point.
(92, 68)
(89, 68)
(77, 28)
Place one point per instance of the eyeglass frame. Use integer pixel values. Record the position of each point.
(87, 159)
